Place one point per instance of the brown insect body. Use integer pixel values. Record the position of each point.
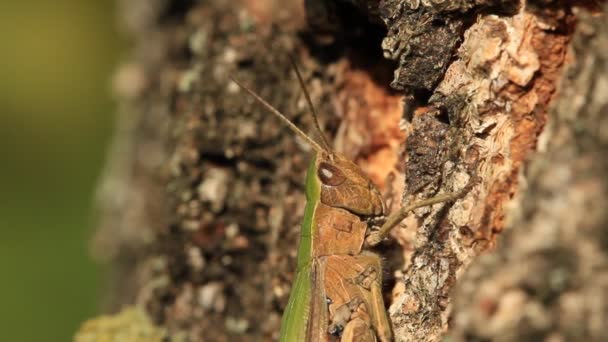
(351, 277)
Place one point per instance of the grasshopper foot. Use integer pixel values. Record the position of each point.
(358, 331)
(374, 238)
(342, 316)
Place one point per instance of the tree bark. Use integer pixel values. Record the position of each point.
(203, 194)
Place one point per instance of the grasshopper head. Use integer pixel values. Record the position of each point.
(344, 185)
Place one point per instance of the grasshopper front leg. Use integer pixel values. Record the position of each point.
(393, 220)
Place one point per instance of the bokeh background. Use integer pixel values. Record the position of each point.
(56, 119)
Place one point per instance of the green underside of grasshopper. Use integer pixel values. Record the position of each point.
(296, 316)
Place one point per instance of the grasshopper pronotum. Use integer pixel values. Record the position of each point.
(337, 292)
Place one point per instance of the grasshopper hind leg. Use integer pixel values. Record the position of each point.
(354, 283)
(357, 330)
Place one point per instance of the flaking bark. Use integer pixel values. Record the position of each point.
(547, 279)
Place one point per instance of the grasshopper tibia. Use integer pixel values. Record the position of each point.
(392, 221)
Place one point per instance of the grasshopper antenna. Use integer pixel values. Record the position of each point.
(310, 105)
(281, 116)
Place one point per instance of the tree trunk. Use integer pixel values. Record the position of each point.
(203, 195)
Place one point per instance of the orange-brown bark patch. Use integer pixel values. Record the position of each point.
(369, 131)
(528, 114)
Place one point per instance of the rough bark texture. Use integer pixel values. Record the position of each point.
(203, 196)
(548, 278)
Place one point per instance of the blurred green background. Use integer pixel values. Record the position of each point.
(56, 117)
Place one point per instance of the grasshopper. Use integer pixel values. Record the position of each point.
(337, 292)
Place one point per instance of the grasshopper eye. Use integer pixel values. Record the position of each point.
(330, 175)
